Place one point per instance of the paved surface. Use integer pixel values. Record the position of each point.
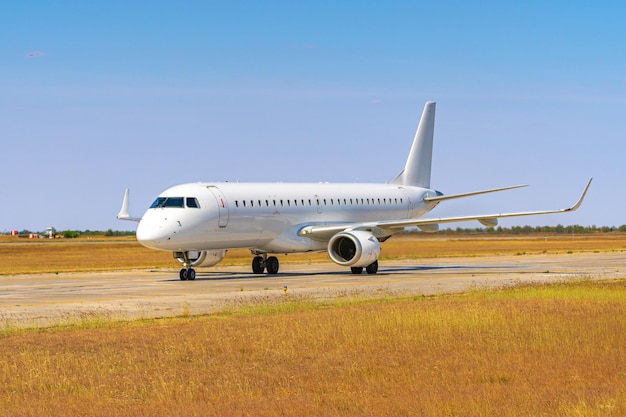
(27, 300)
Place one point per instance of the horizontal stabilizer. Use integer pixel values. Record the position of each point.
(453, 196)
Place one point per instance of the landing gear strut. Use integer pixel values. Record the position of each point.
(261, 262)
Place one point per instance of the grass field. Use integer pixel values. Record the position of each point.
(21, 256)
(553, 350)
(556, 350)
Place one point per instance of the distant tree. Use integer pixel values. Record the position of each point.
(571, 229)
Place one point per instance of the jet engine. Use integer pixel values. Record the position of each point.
(200, 258)
(354, 248)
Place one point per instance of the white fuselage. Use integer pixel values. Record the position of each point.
(267, 217)
(198, 222)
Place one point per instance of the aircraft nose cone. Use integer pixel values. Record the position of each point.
(150, 235)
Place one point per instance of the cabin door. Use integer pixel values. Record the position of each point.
(222, 206)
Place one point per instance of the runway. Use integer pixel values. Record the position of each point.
(39, 300)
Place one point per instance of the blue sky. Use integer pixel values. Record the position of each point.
(99, 96)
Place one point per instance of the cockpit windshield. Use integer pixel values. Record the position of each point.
(161, 202)
(178, 202)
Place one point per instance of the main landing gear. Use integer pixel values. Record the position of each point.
(370, 269)
(187, 274)
(262, 262)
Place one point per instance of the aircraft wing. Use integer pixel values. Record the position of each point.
(386, 228)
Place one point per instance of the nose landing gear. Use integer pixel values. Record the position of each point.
(187, 273)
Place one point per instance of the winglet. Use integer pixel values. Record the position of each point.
(582, 197)
(124, 214)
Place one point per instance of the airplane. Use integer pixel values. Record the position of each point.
(199, 222)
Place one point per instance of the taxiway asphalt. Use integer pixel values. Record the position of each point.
(39, 300)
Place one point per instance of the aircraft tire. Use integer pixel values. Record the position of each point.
(356, 270)
(183, 274)
(191, 274)
(272, 265)
(372, 268)
(257, 265)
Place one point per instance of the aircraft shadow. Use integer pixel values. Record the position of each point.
(447, 267)
(225, 276)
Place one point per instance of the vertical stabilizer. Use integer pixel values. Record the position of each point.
(416, 172)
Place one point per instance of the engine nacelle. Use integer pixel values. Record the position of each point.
(354, 248)
(201, 258)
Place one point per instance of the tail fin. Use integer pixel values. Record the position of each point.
(416, 172)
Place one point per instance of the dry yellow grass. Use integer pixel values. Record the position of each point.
(19, 256)
(74, 256)
(543, 350)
